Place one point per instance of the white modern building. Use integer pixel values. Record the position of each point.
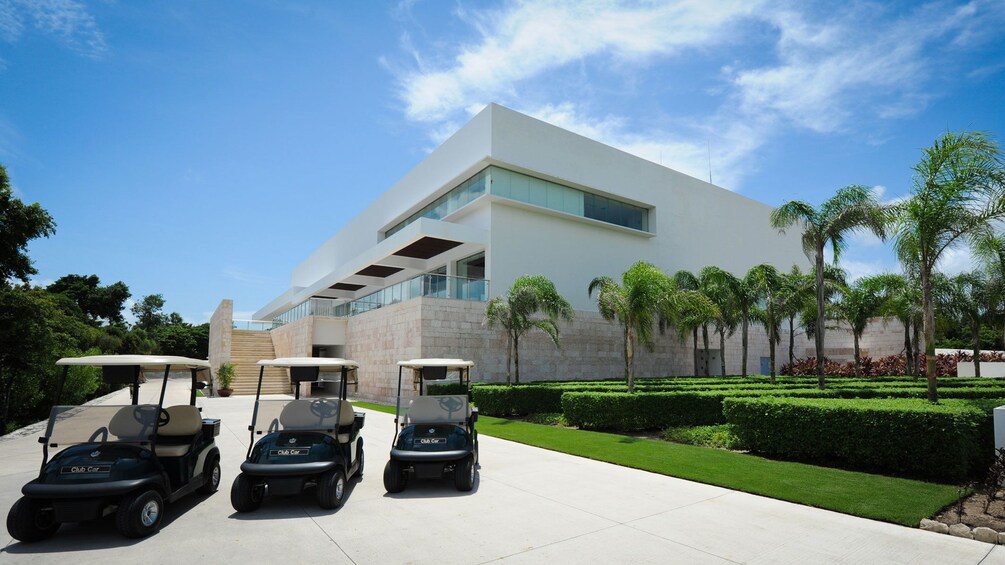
(509, 195)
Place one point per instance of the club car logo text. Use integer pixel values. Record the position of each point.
(287, 451)
(84, 469)
(431, 440)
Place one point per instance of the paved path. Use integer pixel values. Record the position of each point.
(529, 506)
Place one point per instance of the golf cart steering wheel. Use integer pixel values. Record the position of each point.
(449, 403)
(163, 418)
(101, 432)
(323, 408)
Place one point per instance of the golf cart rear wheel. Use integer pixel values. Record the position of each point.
(139, 514)
(464, 474)
(331, 489)
(30, 521)
(245, 495)
(394, 477)
(210, 475)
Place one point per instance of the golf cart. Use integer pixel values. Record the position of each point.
(304, 442)
(127, 460)
(435, 435)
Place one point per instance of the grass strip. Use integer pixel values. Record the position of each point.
(890, 499)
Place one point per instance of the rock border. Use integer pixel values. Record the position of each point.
(980, 533)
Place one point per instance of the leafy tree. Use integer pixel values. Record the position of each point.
(902, 300)
(957, 195)
(797, 288)
(531, 303)
(149, 312)
(859, 303)
(851, 208)
(19, 224)
(685, 280)
(645, 293)
(713, 283)
(967, 299)
(96, 302)
(768, 285)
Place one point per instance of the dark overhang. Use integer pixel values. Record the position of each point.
(427, 248)
(379, 271)
(346, 286)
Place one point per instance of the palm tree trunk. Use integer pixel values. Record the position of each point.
(928, 308)
(907, 347)
(694, 337)
(858, 357)
(820, 316)
(509, 358)
(915, 331)
(630, 358)
(792, 339)
(516, 359)
(975, 331)
(772, 339)
(704, 353)
(743, 330)
(722, 352)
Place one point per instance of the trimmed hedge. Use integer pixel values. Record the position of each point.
(517, 400)
(944, 442)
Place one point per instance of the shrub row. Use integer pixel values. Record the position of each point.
(945, 442)
(516, 400)
(651, 411)
(945, 365)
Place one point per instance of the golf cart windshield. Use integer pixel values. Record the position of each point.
(446, 409)
(70, 425)
(306, 414)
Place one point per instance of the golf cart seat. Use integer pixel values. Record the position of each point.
(430, 410)
(319, 414)
(175, 438)
(134, 422)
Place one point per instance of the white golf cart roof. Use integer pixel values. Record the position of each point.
(448, 363)
(325, 363)
(148, 362)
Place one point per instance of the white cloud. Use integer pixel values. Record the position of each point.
(955, 261)
(523, 42)
(247, 277)
(827, 71)
(66, 20)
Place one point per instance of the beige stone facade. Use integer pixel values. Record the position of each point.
(592, 348)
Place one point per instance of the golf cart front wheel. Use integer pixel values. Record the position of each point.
(139, 514)
(245, 495)
(331, 489)
(464, 474)
(30, 521)
(210, 476)
(394, 477)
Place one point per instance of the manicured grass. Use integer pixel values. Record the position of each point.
(901, 501)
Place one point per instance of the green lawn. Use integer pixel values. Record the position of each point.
(890, 499)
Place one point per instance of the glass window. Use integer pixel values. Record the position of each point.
(447, 204)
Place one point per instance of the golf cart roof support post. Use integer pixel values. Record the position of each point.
(59, 387)
(254, 414)
(191, 399)
(160, 405)
(344, 393)
(397, 406)
(136, 386)
(296, 390)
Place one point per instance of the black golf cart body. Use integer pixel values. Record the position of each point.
(435, 434)
(303, 442)
(128, 459)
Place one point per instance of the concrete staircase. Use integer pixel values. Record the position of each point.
(247, 348)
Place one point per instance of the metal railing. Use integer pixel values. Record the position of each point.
(434, 286)
(253, 324)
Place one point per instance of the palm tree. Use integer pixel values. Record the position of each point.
(859, 303)
(743, 298)
(990, 253)
(957, 195)
(968, 301)
(645, 293)
(798, 289)
(529, 295)
(851, 208)
(713, 284)
(902, 300)
(767, 284)
(685, 280)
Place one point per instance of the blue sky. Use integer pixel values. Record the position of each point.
(202, 149)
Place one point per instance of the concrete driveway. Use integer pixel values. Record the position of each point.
(528, 505)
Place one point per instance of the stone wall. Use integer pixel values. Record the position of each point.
(221, 327)
(592, 348)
